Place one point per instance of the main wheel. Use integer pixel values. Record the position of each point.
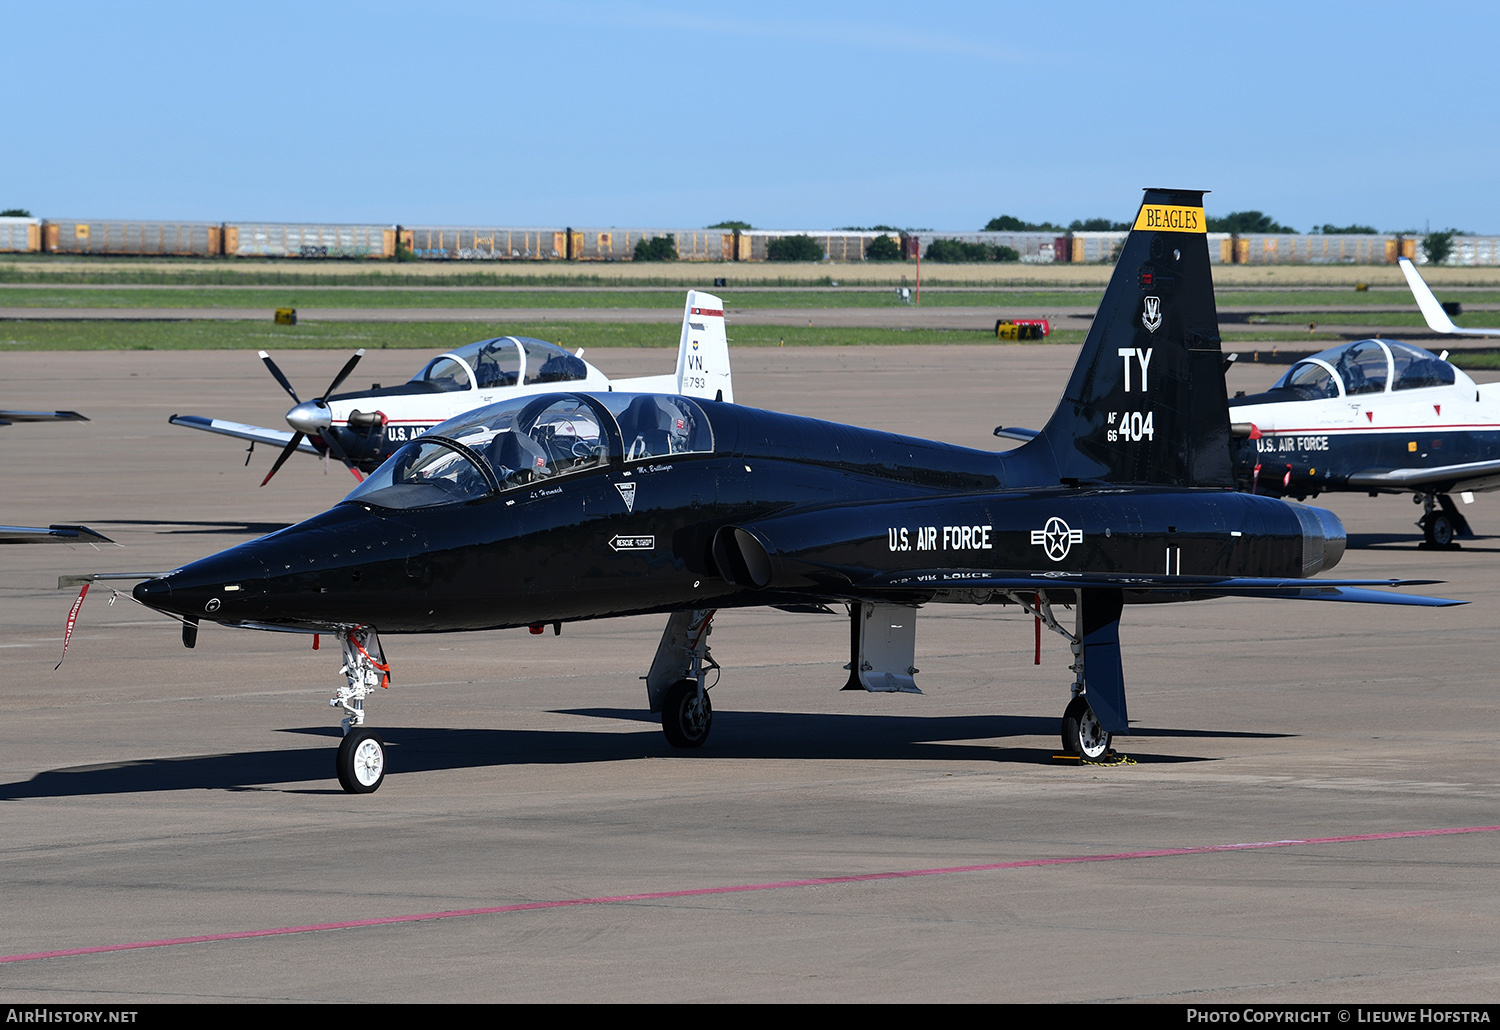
(1439, 529)
(361, 761)
(1081, 732)
(684, 719)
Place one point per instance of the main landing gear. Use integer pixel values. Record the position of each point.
(1441, 520)
(675, 685)
(1081, 733)
(1097, 710)
(361, 755)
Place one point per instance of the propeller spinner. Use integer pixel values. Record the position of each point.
(310, 418)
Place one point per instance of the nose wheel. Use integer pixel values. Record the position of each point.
(361, 757)
(361, 761)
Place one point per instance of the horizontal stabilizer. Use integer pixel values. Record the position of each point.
(51, 534)
(41, 416)
(1017, 433)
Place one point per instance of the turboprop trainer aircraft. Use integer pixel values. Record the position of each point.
(575, 505)
(365, 427)
(1376, 416)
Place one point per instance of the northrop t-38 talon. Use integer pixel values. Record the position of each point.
(567, 506)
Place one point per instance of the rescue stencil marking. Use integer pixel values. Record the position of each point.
(633, 543)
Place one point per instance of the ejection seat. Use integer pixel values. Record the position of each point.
(517, 459)
(649, 429)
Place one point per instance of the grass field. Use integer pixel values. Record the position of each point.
(432, 336)
(255, 271)
(306, 296)
(327, 297)
(440, 336)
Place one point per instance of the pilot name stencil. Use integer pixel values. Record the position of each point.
(929, 538)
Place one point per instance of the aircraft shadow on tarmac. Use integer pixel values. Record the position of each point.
(1411, 542)
(738, 735)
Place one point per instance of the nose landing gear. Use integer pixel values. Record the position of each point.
(675, 685)
(361, 755)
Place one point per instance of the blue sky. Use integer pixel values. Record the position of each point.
(670, 114)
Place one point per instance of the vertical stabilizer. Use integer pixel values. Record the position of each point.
(1146, 403)
(703, 354)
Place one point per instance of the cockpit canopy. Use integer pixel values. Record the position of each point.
(1367, 367)
(502, 361)
(528, 441)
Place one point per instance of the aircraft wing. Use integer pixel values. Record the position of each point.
(1432, 310)
(7, 417)
(1473, 475)
(51, 534)
(255, 434)
(1357, 590)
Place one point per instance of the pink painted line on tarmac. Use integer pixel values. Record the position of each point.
(822, 881)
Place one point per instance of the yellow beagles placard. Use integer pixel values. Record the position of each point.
(1163, 217)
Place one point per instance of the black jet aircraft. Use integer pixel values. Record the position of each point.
(574, 505)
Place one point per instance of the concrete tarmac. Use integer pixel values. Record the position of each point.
(150, 793)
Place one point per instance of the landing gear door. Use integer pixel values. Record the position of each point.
(883, 645)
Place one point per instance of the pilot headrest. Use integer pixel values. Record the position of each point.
(516, 451)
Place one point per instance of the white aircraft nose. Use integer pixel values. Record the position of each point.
(309, 417)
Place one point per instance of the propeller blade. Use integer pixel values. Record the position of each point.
(343, 373)
(276, 372)
(331, 440)
(291, 445)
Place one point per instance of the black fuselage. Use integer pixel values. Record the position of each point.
(817, 495)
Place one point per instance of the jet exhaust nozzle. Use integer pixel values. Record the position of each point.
(1323, 538)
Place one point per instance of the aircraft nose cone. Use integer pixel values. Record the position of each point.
(309, 417)
(154, 593)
